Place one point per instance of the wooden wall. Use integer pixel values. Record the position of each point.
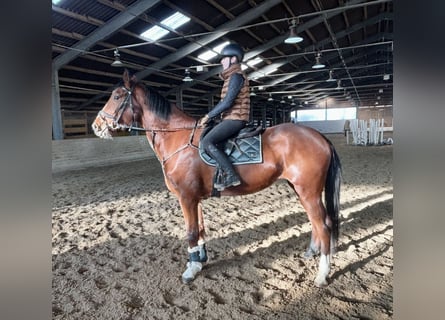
(72, 154)
(376, 113)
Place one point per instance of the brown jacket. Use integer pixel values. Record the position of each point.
(240, 109)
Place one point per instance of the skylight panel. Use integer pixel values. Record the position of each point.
(209, 54)
(56, 1)
(254, 61)
(173, 22)
(154, 33)
(251, 63)
(259, 74)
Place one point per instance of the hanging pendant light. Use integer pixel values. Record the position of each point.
(331, 77)
(117, 61)
(187, 77)
(293, 37)
(318, 64)
(338, 85)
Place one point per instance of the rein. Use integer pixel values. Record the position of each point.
(128, 101)
(189, 144)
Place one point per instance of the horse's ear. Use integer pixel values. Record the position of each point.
(126, 78)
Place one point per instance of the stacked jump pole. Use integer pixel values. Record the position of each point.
(364, 134)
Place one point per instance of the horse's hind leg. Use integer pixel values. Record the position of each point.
(321, 235)
(314, 246)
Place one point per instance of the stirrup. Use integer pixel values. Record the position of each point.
(233, 182)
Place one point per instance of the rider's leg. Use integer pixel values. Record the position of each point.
(219, 134)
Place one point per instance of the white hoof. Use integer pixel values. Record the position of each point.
(193, 268)
(320, 282)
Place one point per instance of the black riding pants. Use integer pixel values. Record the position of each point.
(214, 140)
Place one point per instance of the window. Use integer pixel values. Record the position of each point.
(326, 114)
(311, 115)
(341, 113)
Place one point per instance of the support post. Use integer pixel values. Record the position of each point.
(55, 103)
(179, 101)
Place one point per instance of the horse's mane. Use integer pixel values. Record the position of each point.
(159, 105)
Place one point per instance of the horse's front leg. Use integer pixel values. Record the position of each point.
(202, 233)
(192, 212)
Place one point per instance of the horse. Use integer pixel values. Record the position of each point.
(299, 154)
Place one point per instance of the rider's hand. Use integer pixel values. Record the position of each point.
(204, 120)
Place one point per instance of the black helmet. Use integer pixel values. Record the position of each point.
(231, 50)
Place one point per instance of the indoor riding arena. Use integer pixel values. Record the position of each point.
(119, 238)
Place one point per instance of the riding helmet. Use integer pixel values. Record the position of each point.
(231, 50)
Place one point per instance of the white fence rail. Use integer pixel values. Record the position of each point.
(366, 133)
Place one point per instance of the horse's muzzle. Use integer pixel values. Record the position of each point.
(101, 129)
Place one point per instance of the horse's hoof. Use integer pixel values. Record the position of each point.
(187, 280)
(321, 283)
(193, 268)
(309, 254)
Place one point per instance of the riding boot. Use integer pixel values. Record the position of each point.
(230, 177)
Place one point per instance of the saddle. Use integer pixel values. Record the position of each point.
(244, 148)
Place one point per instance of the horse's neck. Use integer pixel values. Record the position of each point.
(177, 120)
(167, 136)
(180, 119)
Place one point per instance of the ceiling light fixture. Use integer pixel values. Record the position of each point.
(338, 85)
(331, 77)
(270, 97)
(117, 61)
(293, 37)
(318, 64)
(187, 76)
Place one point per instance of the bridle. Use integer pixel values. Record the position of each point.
(128, 102)
(115, 125)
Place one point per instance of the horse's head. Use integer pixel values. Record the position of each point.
(119, 111)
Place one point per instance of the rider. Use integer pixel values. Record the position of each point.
(233, 109)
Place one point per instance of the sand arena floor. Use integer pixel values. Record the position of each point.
(119, 249)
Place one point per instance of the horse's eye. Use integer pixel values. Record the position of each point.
(117, 97)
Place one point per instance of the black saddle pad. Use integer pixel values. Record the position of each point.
(245, 148)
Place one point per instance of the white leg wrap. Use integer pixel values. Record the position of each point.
(324, 268)
(194, 249)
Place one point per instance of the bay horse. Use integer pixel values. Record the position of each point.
(301, 155)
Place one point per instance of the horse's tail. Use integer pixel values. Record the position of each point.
(332, 195)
